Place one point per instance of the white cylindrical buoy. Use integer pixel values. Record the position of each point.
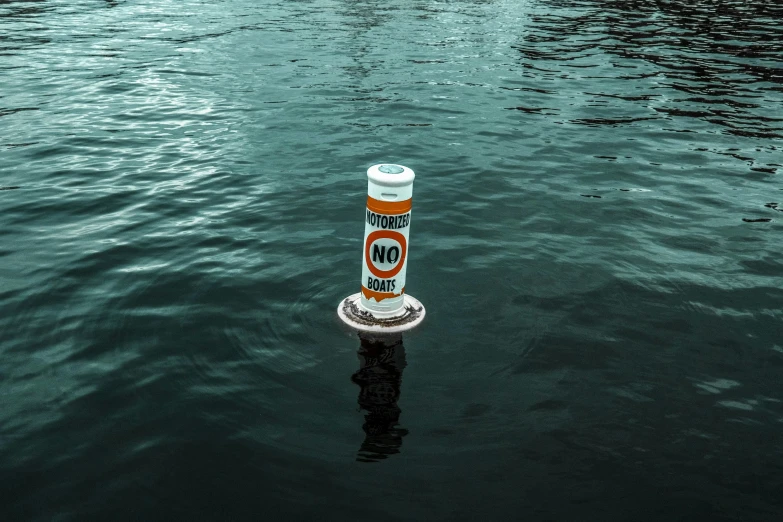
(382, 306)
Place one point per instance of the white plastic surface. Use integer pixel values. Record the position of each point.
(352, 313)
(387, 175)
(385, 247)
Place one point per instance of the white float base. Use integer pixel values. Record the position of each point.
(359, 318)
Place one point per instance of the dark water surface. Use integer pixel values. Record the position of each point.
(597, 238)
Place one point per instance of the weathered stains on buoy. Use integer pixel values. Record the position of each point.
(410, 314)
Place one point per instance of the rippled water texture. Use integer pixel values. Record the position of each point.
(596, 236)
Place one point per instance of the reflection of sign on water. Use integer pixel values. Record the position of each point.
(379, 377)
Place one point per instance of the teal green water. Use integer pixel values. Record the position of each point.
(596, 236)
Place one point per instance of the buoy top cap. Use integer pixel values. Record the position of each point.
(390, 175)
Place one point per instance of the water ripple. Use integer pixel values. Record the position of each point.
(595, 235)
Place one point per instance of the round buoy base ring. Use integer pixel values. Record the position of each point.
(358, 318)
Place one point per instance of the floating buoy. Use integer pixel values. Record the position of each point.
(382, 306)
